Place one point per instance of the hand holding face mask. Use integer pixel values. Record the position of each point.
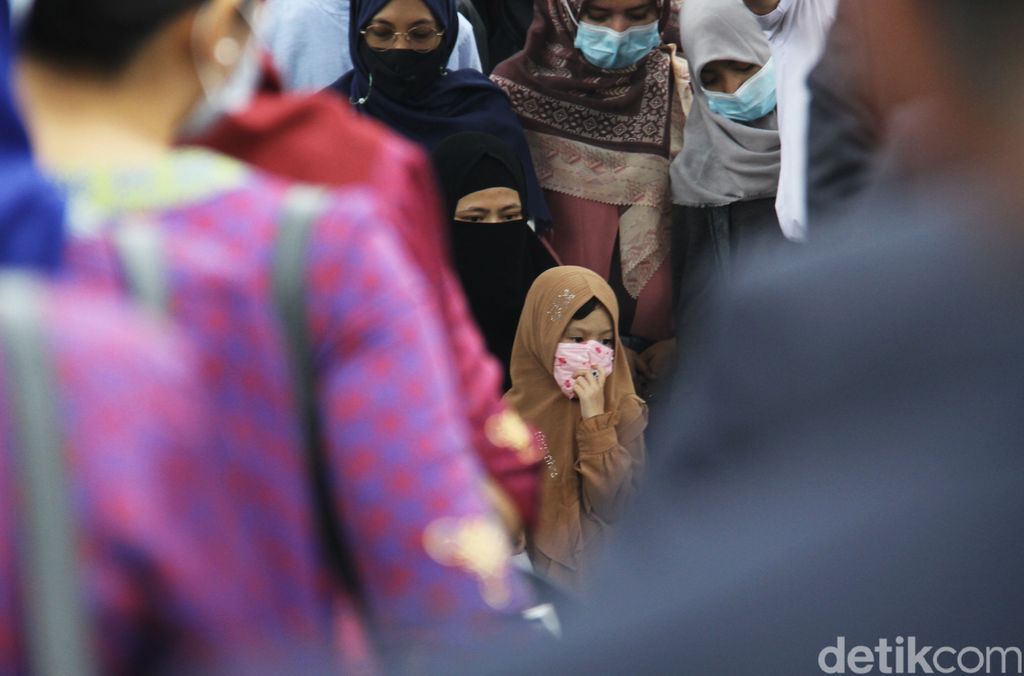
(581, 371)
(589, 389)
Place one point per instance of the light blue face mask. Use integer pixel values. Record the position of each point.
(752, 101)
(609, 49)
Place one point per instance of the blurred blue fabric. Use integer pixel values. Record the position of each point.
(31, 210)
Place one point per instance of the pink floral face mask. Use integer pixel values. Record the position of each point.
(571, 358)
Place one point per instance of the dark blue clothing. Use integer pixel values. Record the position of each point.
(847, 463)
(460, 101)
(846, 135)
(31, 212)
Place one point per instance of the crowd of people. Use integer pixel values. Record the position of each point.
(515, 336)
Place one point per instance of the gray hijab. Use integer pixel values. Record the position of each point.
(723, 161)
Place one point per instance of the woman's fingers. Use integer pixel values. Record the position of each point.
(593, 377)
(583, 386)
(596, 377)
(583, 376)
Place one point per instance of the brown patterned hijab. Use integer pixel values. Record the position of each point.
(556, 91)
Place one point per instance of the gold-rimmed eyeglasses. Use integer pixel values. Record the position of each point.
(420, 39)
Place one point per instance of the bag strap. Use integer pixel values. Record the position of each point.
(56, 621)
(303, 207)
(140, 250)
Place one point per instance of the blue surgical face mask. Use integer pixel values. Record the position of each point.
(752, 101)
(612, 50)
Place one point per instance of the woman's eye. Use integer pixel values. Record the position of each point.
(608, 342)
(745, 68)
(576, 339)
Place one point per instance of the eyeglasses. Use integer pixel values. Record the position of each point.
(420, 39)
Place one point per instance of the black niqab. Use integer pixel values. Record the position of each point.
(496, 262)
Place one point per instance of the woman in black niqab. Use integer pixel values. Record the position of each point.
(497, 258)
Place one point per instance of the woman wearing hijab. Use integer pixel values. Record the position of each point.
(724, 182)
(595, 91)
(303, 37)
(571, 380)
(496, 253)
(399, 50)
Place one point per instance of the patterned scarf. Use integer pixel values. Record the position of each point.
(596, 134)
(557, 91)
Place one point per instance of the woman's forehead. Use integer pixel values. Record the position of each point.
(404, 10)
(496, 196)
(600, 320)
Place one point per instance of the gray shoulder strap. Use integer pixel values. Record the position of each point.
(55, 618)
(303, 206)
(141, 252)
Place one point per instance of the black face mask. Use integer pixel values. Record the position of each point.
(402, 74)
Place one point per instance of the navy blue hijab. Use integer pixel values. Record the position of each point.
(31, 210)
(461, 101)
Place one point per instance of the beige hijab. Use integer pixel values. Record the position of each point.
(553, 299)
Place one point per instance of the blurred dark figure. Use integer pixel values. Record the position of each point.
(846, 460)
(845, 127)
(507, 23)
